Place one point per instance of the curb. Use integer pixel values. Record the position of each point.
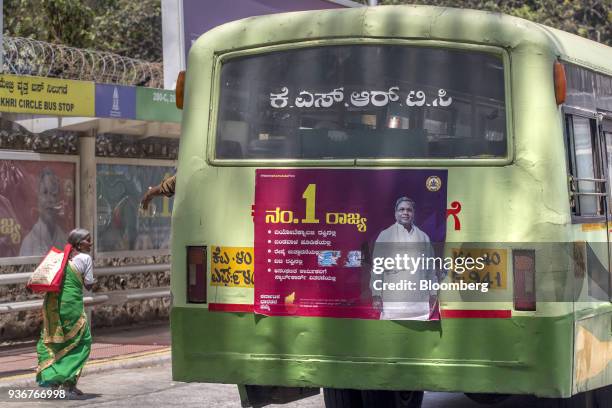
(147, 359)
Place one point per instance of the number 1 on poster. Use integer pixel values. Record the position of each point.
(310, 195)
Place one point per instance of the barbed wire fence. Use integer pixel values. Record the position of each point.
(25, 56)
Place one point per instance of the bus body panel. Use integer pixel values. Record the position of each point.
(455, 355)
(539, 352)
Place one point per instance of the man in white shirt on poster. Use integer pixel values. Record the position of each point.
(46, 232)
(406, 241)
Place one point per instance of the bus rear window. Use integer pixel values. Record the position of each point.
(362, 101)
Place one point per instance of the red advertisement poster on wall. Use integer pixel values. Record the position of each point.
(37, 206)
(332, 242)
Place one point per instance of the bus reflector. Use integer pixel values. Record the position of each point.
(560, 83)
(523, 262)
(475, 314)
(196, 274)
(180, 89)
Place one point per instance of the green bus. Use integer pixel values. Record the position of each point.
(509, 124)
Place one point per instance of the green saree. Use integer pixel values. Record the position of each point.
(65, 341)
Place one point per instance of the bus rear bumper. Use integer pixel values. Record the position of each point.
(508, 356)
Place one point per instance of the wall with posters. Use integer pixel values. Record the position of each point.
(39, 184)
(39, 205)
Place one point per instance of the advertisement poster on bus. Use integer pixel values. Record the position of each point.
(339, 243)
(122, 226)
(37, 206)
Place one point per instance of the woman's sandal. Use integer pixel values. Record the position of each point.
(75, 390)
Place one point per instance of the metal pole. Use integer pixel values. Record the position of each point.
(113, 298)
(87, 188)
(87, 176)
(22, 277)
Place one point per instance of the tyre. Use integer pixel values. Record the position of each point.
(342, 398)
(488, 399)
(392, 399)
(582, 400)
(603, 397)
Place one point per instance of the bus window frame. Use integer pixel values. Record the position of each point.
(600, 162)
(222, 57)
(605, 117)
(601, 130)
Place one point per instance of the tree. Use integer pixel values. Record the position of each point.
(56, 21)
(129, 28)
(133, 28)
(588, 18)
(140, 27)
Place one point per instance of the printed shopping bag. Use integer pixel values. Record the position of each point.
(49, 274)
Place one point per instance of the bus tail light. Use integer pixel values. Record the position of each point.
(560, 83)
(196, 274)
(523, 262)
(180, 89)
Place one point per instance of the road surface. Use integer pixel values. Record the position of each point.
(153, 387)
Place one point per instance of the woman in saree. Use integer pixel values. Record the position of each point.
(65, 340)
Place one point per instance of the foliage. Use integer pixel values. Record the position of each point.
(588, 18)
(126, 27)
(133, 28)
(56, 21)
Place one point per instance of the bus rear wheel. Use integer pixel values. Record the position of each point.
(488, 399)
(342, 398)
(603, 397)
(582, 400)
(392, 399)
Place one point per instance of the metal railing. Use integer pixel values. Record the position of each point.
(106, 298)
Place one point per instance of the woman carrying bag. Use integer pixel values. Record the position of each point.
(65, 341)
